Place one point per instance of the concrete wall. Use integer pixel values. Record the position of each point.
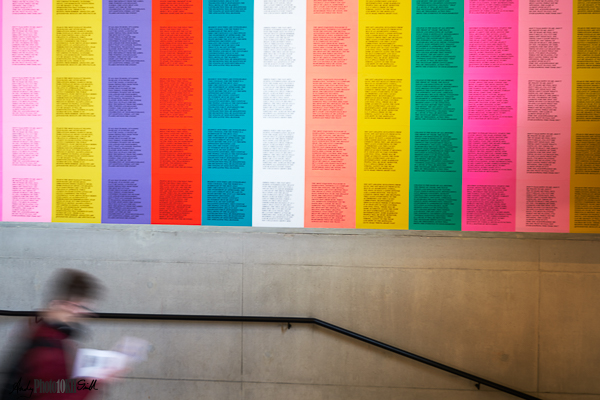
(519, 309)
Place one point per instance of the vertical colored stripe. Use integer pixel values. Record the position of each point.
(543, 117)
(126, 111)
(585, 122)
(77, 111)
(490, 110)
(331, 93)
(2, 47)
(27, 111)
(228, 116)
(384, 90)
(279, 117)
(177, 112)
(436, 110)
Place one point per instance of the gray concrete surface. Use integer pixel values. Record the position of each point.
(518, 309)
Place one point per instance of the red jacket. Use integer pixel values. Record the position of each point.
(47, 364)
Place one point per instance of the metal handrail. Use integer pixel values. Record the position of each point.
(297, 320)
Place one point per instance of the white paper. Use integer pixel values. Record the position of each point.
(98, 364)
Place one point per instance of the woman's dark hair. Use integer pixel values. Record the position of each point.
(73, 284)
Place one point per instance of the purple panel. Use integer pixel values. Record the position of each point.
(126, 111)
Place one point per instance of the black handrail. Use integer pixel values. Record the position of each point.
(297, 320)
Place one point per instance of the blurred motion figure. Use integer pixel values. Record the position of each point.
(40, 369)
